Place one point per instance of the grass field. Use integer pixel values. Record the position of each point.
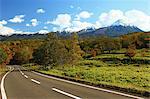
(140, 54)
(124, 76)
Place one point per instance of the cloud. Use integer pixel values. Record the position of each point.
(27, 24)
(34, 22)
(17, 19)
(109, 18)
(3, 22)
(43, 31)
(62, 20)
(45, 27)
(84, 15)
(71, 6)
(6, 30)
(78, 25)
(132, 17)
(40, 11)
(138, 18)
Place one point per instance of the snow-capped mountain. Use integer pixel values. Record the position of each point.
(116, 29)
(120, 22)
(91, 29)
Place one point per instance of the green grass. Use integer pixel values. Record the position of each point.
(122, 76)
(2, 70)
(140, 54)
(130, 76)
(120, 56)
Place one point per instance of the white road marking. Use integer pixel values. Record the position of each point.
(35, 81)
(65, 93)
(3, 92)
(25, 76)
(21, 72)
(88, 86)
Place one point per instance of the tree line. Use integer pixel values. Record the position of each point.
(56, 50)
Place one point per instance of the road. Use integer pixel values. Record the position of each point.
(28, 85)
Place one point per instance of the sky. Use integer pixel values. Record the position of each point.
(32, 16)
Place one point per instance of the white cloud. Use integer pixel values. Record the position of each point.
(17, 19)
(139, 19)
(84, 15)
(3, 22)
(62, 20)
(109, 18)
(40, 11)
(71, 6)
(78, 25)
(6, 30)
(131, 17)
(45, 27)
(27, 24)
(43, 31)
(34, 22)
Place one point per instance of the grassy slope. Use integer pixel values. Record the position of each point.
(131, 76)
(122, 76)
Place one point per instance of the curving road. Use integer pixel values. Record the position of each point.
(29, 85)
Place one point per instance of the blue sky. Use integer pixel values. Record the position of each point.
(25, 16)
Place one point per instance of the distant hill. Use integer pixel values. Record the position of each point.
(116, 29)
(2, 37)
(23, 36)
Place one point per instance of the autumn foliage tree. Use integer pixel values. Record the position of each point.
(3, 57)
(131, 51)
(22, 56)
(75, 49)
(52, 52)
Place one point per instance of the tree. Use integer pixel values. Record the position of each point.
(131, 51)
(75, 49)
(3, 56)
(22, 56)
(52, 52)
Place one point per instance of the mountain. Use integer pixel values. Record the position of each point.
(116, 29)
(120, 22)
(2, 37)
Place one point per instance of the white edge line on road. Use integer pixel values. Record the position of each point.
(88, 86)
(3, 92)
(65, 93)
(35, 81)
(25, 76)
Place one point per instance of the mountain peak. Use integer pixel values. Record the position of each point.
(120, 22)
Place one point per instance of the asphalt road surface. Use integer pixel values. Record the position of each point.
(20, 84)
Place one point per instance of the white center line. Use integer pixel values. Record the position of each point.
(67, 94)
(35, 81)
(25, 76)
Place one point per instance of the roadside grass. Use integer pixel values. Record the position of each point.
(127, 76)
(2, 70)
